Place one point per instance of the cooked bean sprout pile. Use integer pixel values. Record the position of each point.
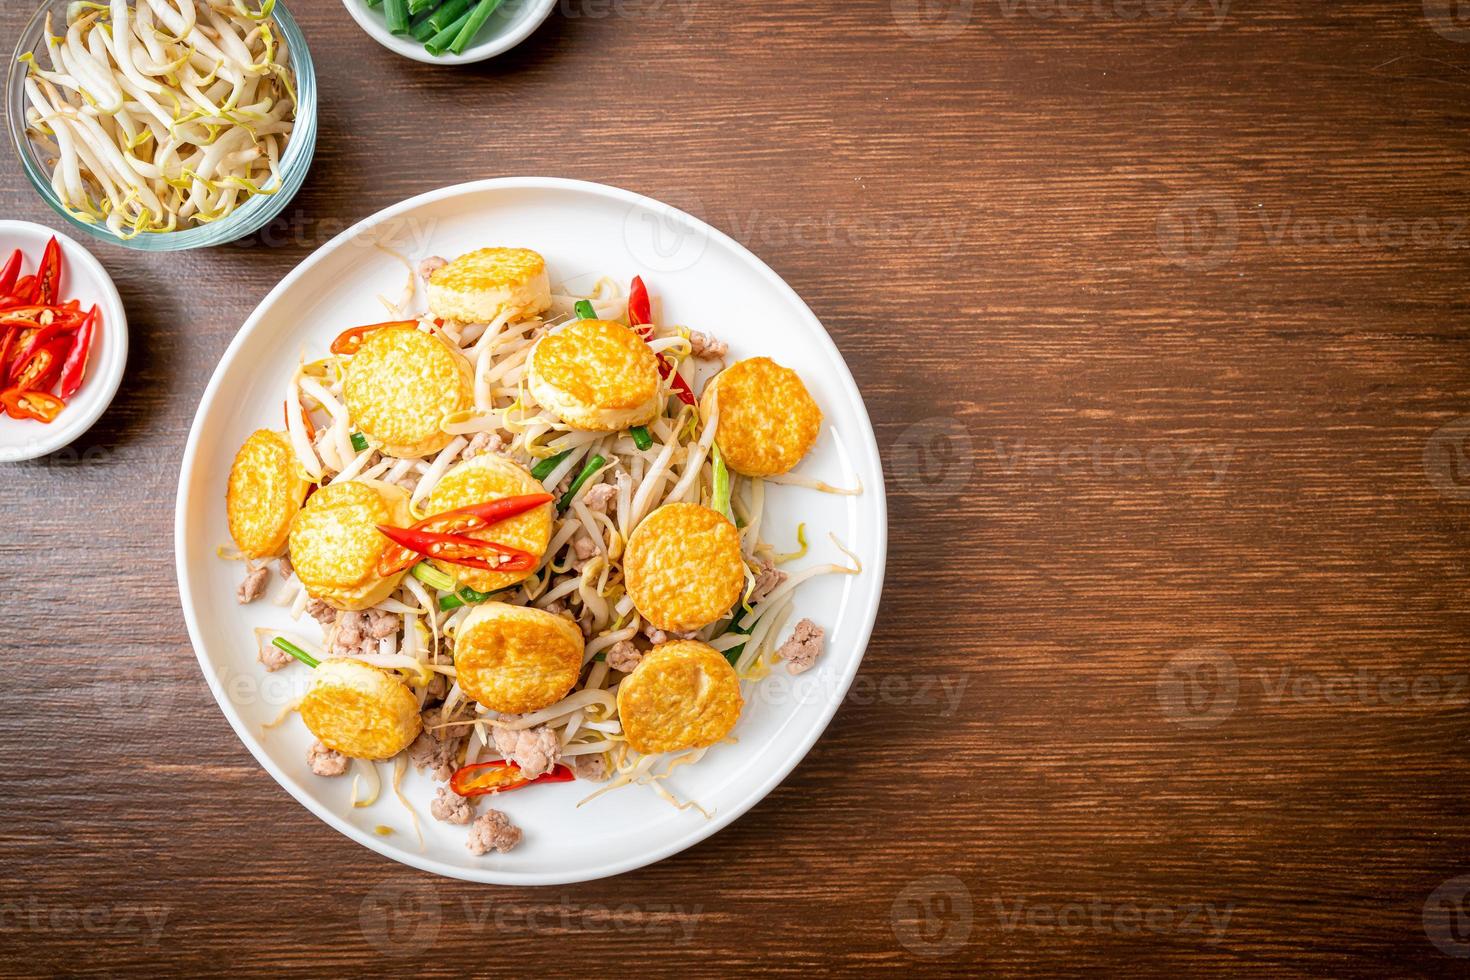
(160, 115)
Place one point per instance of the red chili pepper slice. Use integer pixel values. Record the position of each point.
(484, 778)
(66, 315)
(680, 386)
(348, 341)
(640, 315)
(8, 337)
(48, 276)
(20, 403)
(456, 549)
(39, 370)
(75, 367)
(477, 516)
(26, 292)
(49, 335)
(640, 310)
(464, 519)
(10, 273)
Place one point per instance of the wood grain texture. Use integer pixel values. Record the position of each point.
(1160, 312)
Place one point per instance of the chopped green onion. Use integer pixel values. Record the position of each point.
(446, 15)
(397, 13)
(641, 438)
(439, 43)
(466, 596)
(477, 20)
(359, 441)
(281, 643)
(593, 465)
(432, 577)
(720, 495)
(419, 6)
(544, 468)
(585, 310)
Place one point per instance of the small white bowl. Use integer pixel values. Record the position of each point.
(84, 280)
(511, 24)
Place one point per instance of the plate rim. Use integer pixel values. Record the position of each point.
(675, 844)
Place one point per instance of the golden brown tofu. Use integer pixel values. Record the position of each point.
(516, 658)
(682, 695)
(683, 567)
(768, 420)
(336, 544)
(595, 375)
(401, 385)
(359, 710)
(483, 285)
(265, 490)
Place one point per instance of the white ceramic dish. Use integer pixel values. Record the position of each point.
(86, 281)
(700, 277)
(511, 24)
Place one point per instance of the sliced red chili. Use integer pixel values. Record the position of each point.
(26, 292)
(48, 276)
(40, 369)
(75, 367)
(68, 314)
(10, 273)
(680, 386)
(477, 516)
(348, 341)
(484, 778)
(42, 336)
(640, 310)
(20, 403)
(456, 549)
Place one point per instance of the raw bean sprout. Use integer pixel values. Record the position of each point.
(161, 115)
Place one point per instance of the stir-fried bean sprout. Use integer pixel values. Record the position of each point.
(607, 483)
(159, 115)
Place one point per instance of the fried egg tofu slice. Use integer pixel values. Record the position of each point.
(265, 490)
(480, 286)
(682, 695)
(517, 658)
(481, 480)
(400, 386)
(336, 545)
(683, 567)
(768, 420)
(359, 710)
(595, 375)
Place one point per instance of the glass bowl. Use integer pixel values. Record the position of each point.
(248, 218)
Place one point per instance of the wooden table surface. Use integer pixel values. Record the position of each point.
(1159, 308)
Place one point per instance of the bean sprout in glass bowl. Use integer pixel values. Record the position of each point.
(254, 214)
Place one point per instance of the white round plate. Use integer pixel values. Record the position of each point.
(698, 277)
(84, 280)
(512, 23)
